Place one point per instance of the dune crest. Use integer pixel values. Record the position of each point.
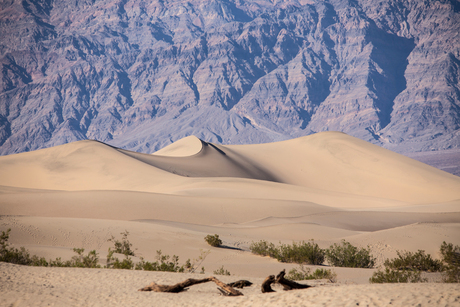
(319, 168)
(188, 146)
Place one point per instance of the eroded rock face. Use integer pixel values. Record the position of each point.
(141, 74)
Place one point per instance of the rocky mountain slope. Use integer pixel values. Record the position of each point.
(140, 74)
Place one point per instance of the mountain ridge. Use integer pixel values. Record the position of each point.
(141, 75)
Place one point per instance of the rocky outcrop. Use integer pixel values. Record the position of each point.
(141, 74)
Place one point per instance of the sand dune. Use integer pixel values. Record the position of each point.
(325, 187)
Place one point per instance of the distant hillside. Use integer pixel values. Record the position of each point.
(141, 74)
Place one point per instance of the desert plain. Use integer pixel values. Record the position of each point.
(327, 187)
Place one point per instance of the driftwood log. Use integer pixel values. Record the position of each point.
(183, 286)
(266, 285)
(286, 283)
(226, 289)
(240, 284)
(289, 284)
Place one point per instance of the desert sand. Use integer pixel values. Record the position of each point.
(327, 187)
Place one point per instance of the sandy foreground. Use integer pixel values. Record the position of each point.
(37, 286)
(325, 187)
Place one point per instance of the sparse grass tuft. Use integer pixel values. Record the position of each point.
(221, 271)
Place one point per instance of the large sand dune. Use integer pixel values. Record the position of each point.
(325, 187)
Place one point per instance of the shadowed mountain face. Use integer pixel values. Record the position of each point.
(142, 74)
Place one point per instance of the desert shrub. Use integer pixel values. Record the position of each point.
(347, 255)
(450, 254)
(213, 240)
(164, 263)
(191, 266)
(301, 252)
(123, 246)
(17, 256)
(167, 265)
(396, 276)
(58, 262)
(23, 257)
(91, 260)
(221, 271)
(304, 273)
(418, 261)
(263, 248)
(407, 267)
(451, 257)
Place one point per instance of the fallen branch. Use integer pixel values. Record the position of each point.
(179, 287)
(240, 284)
(266, 285)
(289, 284)
(183, 286)
(226, 289)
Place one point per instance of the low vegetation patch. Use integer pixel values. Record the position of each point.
(347, 255)
(23, 257)
(17, 256)
(451, 257)
(301, 252)
(418, 261)
(221, 271)
(214, 240)
(123, 246)
(396, 276)
(91, 259)
(304, 273)
(408, 267)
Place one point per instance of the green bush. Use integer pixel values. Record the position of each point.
(91, 260)
(395, 276)
(17, 256)
(23, 257)
(305, 274)
(163, 264)
(451, 256)
(114, 263)
(302, 252)
(347, 255)
(418, 261)
(263, 248)
(213, 240)
(123, 246)
(408, 266)
(221, 271)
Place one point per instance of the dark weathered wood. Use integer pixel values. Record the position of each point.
(289, 284)
(266, 285)
(240, 284)
(182, 286)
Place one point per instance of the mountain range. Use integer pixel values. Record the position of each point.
(142, 74)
